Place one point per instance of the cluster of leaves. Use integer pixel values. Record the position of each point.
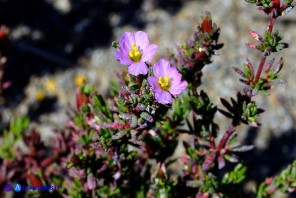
(284, 182)
(274, 8)
(196, 53)
(244, 109)
(27, 160)
(115, 126)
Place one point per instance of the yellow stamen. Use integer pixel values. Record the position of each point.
(164, 83)
(135, 54)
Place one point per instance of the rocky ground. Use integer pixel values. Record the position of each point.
(56, 43)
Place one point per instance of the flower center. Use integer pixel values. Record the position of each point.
(135, 54)
(164, 83)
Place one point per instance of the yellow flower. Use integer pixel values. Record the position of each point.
(40, 95)
(79, 80)
(50, 86)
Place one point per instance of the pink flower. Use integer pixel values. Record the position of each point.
(134, 50)
(166, 82)
(91, 181)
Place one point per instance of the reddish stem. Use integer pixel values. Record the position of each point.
(262, 62)
(225, 137)
(270, 24)
(260, 68)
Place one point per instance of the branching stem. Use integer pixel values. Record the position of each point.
(263, 59)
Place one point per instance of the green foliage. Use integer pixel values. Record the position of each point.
(284, 182)
(236, 176)
(12, 135)
(19, 125)
(87, 89)
(272, 42)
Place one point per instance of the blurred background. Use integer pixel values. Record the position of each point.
(56, 44)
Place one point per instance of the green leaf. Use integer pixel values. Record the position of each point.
(236, 176)
(87, 89)
(19, 125)
(115, 45)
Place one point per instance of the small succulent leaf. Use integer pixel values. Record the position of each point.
(287, 10)
(256, 36)
(252, 45)
(239, 71)
(246, 82)
(251, 1)
(118, 135)
(146, 116)
(115, 45)
(243, 148)
(234, 103)
(259, 111)
(209, 161)
(193, 184)
(278, 66)
(232, 138)
(206, 25)
(221, 162)
(248, 73)
(281, 46)
(250, 65)
(218, 46)
(268, 66)
(225, 113)
(226, 104)
(231, 158)
(225, 137)
(125, 116)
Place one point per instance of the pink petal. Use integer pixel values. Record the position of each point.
(149, 52)
(160, 68)
(177, 89)
(141, 39)
(175, 76)
(154, 84)
(123, 57)
(127, 40)
(138, 68)
(163, 97)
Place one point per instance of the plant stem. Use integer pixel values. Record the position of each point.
(270, 24)
(260, 68)
(225, 137)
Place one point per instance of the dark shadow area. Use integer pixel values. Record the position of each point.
(280, 153)
(172, 6)
(48, 105)
(51, 40)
